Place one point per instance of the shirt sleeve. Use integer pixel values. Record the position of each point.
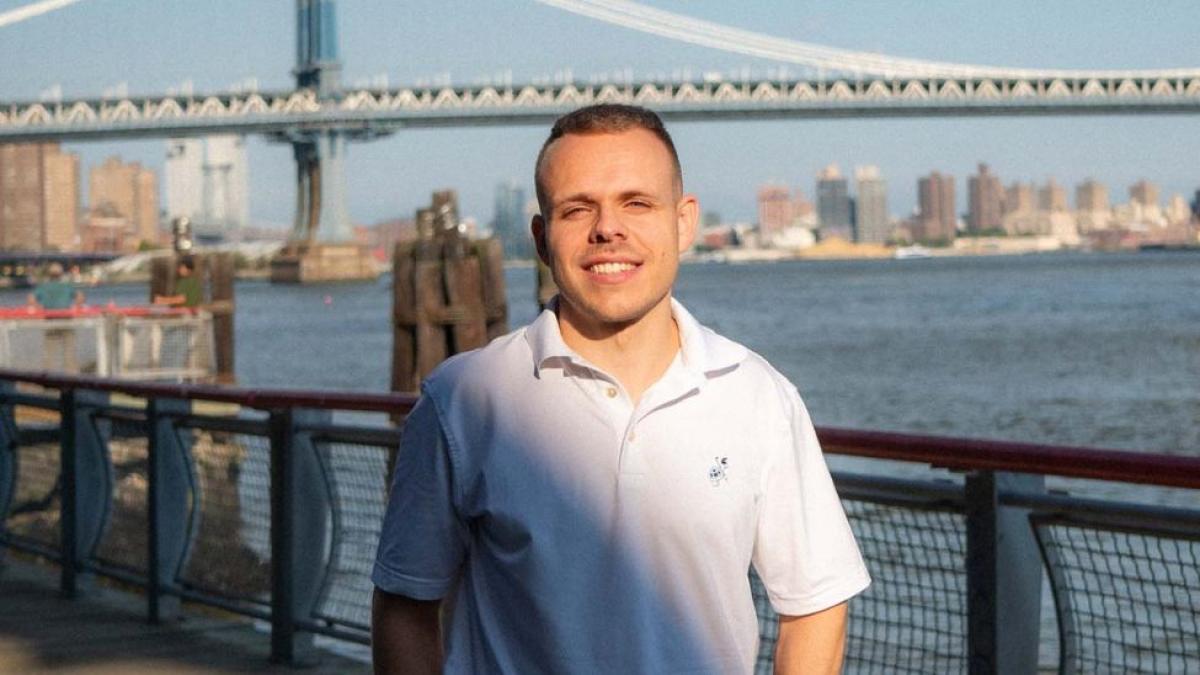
(422, 542)
(804, 550)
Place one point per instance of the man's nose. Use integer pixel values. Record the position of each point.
(608, 226)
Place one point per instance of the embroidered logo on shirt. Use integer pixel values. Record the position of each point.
(717, 472)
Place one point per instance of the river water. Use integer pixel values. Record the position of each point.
(1098, 350)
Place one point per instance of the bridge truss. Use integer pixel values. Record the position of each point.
(370, 112)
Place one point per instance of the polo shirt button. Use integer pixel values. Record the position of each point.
(632, 436)
(611, 392)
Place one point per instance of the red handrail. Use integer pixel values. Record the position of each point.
(87, 311)
(977, 454)
(940, 451)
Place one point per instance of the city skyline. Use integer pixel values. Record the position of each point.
(225, 43)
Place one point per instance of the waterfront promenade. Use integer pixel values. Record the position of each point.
(106, 631)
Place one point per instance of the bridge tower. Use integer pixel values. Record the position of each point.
(321, 182)
(320, 247)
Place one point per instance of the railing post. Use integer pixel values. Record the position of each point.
(1004, 576)
(300, 505)
(8, 456)
(86, 484)
(170, 484)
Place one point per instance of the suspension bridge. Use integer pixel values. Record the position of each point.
(319, 115)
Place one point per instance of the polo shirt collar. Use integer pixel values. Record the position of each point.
(704, 352)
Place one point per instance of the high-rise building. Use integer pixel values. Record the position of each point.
(128, 191)
(775, 210)
(1092, 210)
(1144, 192)
(509, 221)
(801, 207)
(39, 197)
(870, 212)
(1177, 211)
(184, 178)
(226, 206)
(62, 199)
(985, 201)
(207, 182)
(1052, 197)
(833, 204)
(1091, 195)
(1196, 206)
(1018, 198)
(936, 220)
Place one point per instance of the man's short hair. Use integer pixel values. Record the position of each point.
(605, 118)
(188, 262)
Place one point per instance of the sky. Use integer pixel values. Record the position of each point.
(150, 46)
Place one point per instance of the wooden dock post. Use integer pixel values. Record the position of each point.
(448, 294)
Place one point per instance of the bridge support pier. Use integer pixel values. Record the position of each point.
(321, 246)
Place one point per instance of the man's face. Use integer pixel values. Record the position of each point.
(615, 224)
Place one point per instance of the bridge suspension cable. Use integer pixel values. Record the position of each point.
(31, 10)
(827, 59)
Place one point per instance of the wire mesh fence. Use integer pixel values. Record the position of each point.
(171, 347)
(231, 515)
(1127, 598)
(75, 346)
(357, 475)
(33, 514)
(913, 617)
(1127, 602)
(124, 543)
(164, 348)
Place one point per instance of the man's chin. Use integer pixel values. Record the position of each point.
(602, 317)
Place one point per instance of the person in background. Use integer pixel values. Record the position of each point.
(54, 293)
(189, 291)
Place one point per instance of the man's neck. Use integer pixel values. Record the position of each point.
(637, 354)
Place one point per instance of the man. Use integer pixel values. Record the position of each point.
(189, 292)
(59, 351)
(54, 292)
(587, 494)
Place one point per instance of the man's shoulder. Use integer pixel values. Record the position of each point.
(755, 378)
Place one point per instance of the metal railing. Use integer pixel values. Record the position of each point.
(267, 504)
(161, 344)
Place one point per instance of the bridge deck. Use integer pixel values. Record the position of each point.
(106, 632)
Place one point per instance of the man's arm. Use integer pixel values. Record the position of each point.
(813, 643)
(405, 635)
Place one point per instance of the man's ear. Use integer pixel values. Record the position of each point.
(688, 219)
(537, 227)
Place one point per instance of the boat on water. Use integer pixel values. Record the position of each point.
(912, 252)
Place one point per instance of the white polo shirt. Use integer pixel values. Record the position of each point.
(576, 532)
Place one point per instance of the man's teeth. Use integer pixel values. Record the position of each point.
(611, 268)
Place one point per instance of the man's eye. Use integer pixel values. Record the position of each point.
(637, 204)
(574, 212)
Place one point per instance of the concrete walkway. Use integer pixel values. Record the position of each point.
(106, 632)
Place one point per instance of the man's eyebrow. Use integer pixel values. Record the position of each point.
(577, 198)
(631, 194)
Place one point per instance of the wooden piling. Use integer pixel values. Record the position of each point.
(448, 294)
